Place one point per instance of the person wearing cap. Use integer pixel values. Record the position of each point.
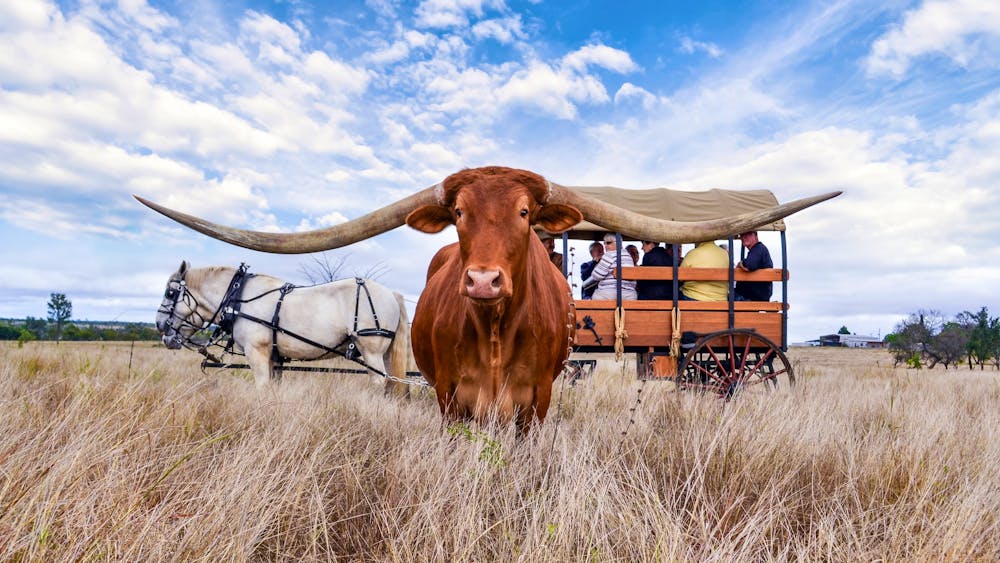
(550, 245)
(757, 257)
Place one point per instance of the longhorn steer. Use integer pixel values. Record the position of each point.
(494, 322)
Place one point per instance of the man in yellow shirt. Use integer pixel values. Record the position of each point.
(706, 255)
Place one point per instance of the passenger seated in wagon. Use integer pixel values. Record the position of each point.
(705, 254)
(603, 275)
(656, 255)
(757, 257)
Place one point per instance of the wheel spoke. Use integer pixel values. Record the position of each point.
(706, 368)
(743, 375)
(762, 361)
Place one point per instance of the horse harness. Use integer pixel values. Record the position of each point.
(230, 309)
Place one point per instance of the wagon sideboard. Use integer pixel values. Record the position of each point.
(649, 324)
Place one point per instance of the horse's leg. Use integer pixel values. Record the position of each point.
(259, 358)
(373, 350)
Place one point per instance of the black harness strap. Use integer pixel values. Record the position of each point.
(229, 307)
(285, 290)
(378, 330)
(332, 350)
(229, 310)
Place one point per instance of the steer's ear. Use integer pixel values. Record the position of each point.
(429, 218)
(556, 217)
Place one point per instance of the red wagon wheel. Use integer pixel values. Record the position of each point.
(729, 362)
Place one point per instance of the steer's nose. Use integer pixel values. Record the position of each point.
(483, 284)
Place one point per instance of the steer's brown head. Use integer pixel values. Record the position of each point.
(493, 210)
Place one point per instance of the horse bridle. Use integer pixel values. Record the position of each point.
(225, 314)
(177, 295)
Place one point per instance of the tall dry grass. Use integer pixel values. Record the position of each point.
(858, 462)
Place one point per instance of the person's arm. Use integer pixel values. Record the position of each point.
(600, 271)
(754, 260)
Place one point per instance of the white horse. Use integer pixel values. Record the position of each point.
(344, 317)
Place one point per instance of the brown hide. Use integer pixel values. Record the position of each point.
(494, 323)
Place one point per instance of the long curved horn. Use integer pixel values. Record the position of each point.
(617, 219)
(364, 227)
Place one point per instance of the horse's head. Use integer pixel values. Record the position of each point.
(173, 319)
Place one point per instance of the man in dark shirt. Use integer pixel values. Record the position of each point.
(655, 255)
(757, 257)
(596, 253)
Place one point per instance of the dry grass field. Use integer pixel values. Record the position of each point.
(859, 462)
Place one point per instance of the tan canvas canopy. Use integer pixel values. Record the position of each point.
(678, 205)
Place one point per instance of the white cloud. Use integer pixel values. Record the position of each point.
(557, 91)
(16, 15)
(966, 31)
(396, 133)
(600, 55)
(276, 42)
(629, 91)
(40, 217)
(691, 46)
(472, 91)
(436, 155)
(321, 222)
(393, 53)
(140, 13)
(384, 8)
(504, 30)
(542, 87)
(442, 14)
(336, 76)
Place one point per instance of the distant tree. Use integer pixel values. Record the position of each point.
(60, 311)
(984, 336)
(949, 345)
(8, 332)
(325, 268)
(911, 337)
(843, 330)
(976, 322)
(73, 332)
(25, 336)
(35, 327)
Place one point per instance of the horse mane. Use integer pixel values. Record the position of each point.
(197, 276)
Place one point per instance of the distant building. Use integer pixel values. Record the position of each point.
(851, 341)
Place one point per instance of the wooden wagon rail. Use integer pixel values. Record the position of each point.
(649, 323)
(666, 273)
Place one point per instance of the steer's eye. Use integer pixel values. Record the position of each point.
(458, 212)
(524, 213)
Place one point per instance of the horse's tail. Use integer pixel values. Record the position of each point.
(399, 353)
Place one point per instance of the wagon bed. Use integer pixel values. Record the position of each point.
(712, 345)
(649, 323)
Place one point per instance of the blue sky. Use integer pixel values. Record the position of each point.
(288, 116)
